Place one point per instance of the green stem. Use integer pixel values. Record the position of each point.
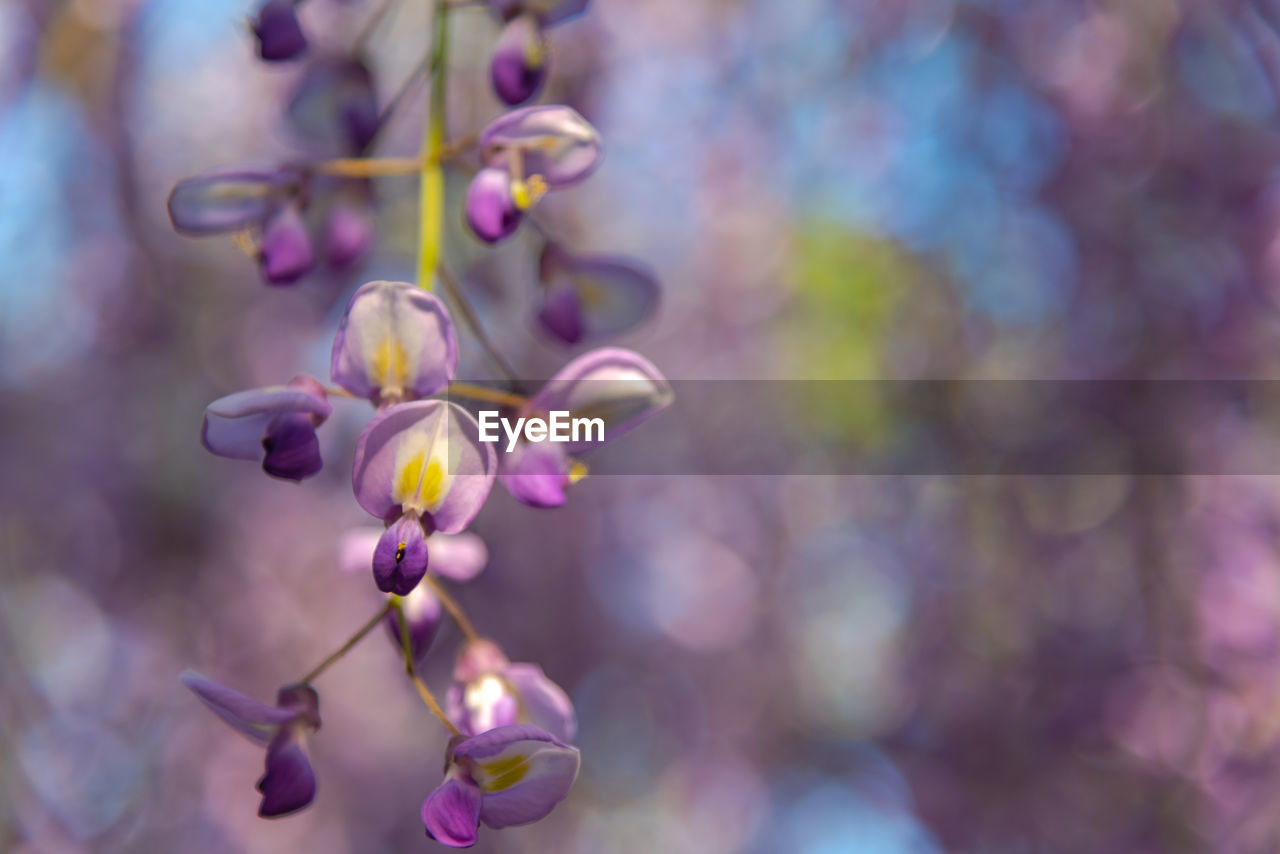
(346, 647)
(431, 180)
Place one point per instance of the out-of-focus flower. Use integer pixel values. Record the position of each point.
(348, 229)
(276, 424)
(507, 776)
(289, 783)
(395, 341)
(621, 388)
(593, 296)
(336, 104)
(526, 153)
(285, 254)
(520, 57)
(421, 467)
(278, 31)
(491, 692)
(225, 201)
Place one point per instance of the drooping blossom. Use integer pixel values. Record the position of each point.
(278, 31)
(593, 296)
(276, 424)
(226, 201)
(457, 557)
(335, 105)
(288, 783)
(525, 154)
(520, 57)
(395, 342)
(420, 467)
(618, 386)
(490, 692)
(505, 777)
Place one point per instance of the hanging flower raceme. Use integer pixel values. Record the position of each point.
(289, 783)
(278, 31)
(276, 424)
(621, 388)
(395, 342)
(505, 777)
(593, 296)
(421, 468)
(459, 558)
(527, 153)
(520, 57)
(490, 692)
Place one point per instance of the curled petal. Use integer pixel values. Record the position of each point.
(425, 457)
(253, 719)
(303, 701)
(275, 419)
(543, 703)
(522, 770)
(519, 65)
(451, 813)
(536, 474)
(554, 142)
(285, 253)
(400, 559)
(491, 209)
(289, 783)
(619, 386)
(594, 296)
(221, 202)
(280, 36)
(394, 339)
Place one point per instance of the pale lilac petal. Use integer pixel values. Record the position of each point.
(400, 558)
(483, 704)
(426, 457)
(594, 296)
(289, 783)
(457, 557)
(256, 720)
(394, 338)
(556, 11)
(490, 208)
(220, 202)
(519, 64)
(451, 813)
(536, 473)
(543, 703)
(523, 771)
(479, 658)
(355, 549)
(555, 143)
(619, 386)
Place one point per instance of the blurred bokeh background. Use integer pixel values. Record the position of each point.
(829, 189)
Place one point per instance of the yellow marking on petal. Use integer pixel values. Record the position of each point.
(410, 477)
(590, 292)
(243, 239)
(389, 364)
(577, 471)
(504, 773)
(527, 192)
(533, 54)
(432, 489)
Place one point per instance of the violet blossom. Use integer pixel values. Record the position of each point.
(593, 296)
(520, 56)
(276, 424)
(490, 692)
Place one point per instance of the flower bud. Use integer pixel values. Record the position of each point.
(280, 36)
(519, 66)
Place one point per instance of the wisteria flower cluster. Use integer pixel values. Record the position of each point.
(420, 467)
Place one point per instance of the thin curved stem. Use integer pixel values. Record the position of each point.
(491, 395)
(472, 321)
(397, 604)
(370, 167)
(455, 610)
(350, 643)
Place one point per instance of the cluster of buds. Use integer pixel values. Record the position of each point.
(421, 466)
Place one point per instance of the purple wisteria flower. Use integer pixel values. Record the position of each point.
(620, 387)
(520, 60)
(395, 341)
(226, 201)
(526, 153)
(422, 468)
(289, 783)
(336, 104)
(278, 31)
(276, 424)
(491, 692)
(507, 776)
(457, 557)
(593, 296)
(285, 253)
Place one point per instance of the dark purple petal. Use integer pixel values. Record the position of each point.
(285, 253)
(348, 234)
(236, 425)
(289, 783)
(543, 703)
(424, 456)
(451, 813)
(292, 449)
(536, 474)
(394, 339)
(594, 296)
(522, 770)
(561, 313)
(554, 141)
(221, 202)
(422, 611)
(256, 720)
(400, 558)
(619, 386)
(491, 211)
(336, 104)
(280, 36)
(303, 701)
(519, 66)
